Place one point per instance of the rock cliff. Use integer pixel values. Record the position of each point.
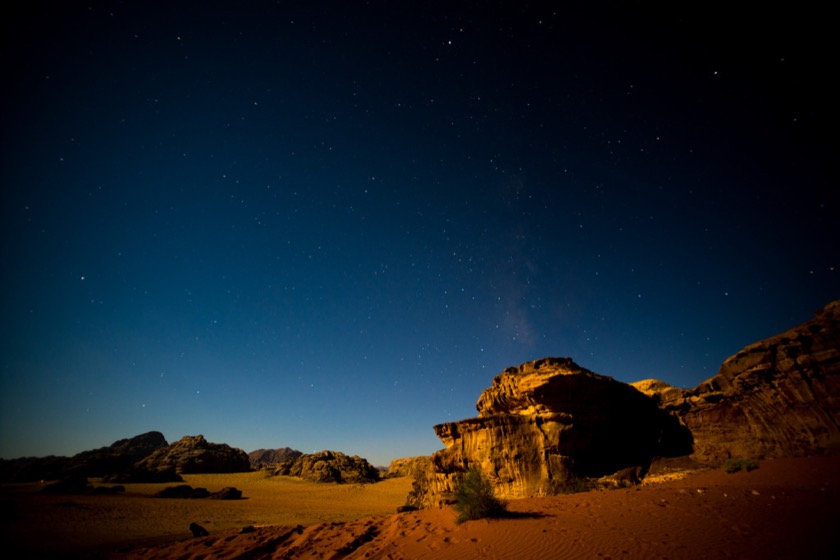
(542, 425)
(193, 455)
(546, 423)
(779, 397)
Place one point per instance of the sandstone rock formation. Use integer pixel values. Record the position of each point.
(329, 466)
(545, 423)
(408, 466)
(262, 458)
(195, 455)
(779, 397)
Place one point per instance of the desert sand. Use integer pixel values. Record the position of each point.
(787, 508)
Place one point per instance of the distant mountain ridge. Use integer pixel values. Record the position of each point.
(144, 458)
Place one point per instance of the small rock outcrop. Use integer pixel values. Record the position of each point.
(546, 423)
(262, 458)
(329, 466)
(195, 455)
(779, 397)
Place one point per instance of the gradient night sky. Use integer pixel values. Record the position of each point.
(328, 225)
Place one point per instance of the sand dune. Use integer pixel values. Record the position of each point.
(788, 508)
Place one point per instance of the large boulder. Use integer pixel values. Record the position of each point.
(329, 466)
(547, 423)
(779, 397)
(195, 455)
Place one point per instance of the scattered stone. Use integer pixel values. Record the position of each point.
(403, 509)
(247, 529)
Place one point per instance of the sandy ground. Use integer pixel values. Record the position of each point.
(39, 523)
(788, 508)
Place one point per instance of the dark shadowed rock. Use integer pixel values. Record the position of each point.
(262, 458)
(779, 397)
(73, 484)
(29, 469)
(182, 491)
(227, 493)
(329, 466)
(195, 455)
(197, 530)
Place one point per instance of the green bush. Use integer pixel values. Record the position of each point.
(475, 499)
(735, 465)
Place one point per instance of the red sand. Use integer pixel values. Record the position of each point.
(788, 508)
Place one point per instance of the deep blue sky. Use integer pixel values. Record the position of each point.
(328, 225)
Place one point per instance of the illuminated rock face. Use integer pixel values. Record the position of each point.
(779, 397)
(548, 421)
(545, 422)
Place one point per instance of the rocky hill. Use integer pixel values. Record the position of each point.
(779, 397)
(329, 466)
(102, 462)
(262, 458)
(193, 455)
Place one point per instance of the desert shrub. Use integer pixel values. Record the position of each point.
(735, 465)
(475, 499)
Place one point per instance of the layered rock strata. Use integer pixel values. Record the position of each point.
(779, 397)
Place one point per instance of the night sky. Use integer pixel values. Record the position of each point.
(328, 225)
